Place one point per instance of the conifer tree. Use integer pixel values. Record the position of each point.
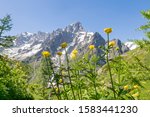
(5, 25)
(146, 27)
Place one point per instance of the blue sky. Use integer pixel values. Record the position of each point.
(47, 15)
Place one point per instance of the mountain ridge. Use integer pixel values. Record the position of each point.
(29, 44)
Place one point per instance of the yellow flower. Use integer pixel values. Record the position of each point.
(117, 48)
(75, 51)
(59, 53)
(56, 89)
(91, 47)
(136, 95)
(112, 43)
(73, 56)
(63, 73)
(46, 53)
(64, 45)
(135, 86)
(60, 80)
(108, 30)
(126, 87)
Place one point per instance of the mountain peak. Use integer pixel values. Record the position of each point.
(76, 23)
(74, 27)
(26, 34)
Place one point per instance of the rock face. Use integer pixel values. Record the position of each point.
(28, 46)
(122, 48)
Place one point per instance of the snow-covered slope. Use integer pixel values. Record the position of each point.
(26, 45)
(131, 45)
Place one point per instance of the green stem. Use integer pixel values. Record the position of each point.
(50, 79)
(78, 84)
(113, 52)
(109, 69)
(55, 78)
(95, 88)
(94, 76)
(77, 80)
(119, 78)
(62, 79)
(57, 81)
(44, 81)
(80, 87)
(68, 69)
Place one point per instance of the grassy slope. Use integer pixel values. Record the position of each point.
(144, 57)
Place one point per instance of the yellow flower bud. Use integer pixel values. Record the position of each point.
(56, 89)
(117, 48)
(126, 87)
(64, 45)
(46, 53)
(135, 86)
(108, 30)
(91, 47)
(112, 43)
(136, 95)
(75, 51)
(73, 56)
(60, 80)
(63, 73)
(59, 53)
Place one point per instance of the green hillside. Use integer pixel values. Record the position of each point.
(144, 57)
(136, 65)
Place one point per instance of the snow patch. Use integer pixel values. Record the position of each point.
(131, 45)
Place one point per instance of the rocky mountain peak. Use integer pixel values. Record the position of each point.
(75, 27)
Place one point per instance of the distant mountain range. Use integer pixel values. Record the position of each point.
(28, 46)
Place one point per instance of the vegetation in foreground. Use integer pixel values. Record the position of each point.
(83, 78)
